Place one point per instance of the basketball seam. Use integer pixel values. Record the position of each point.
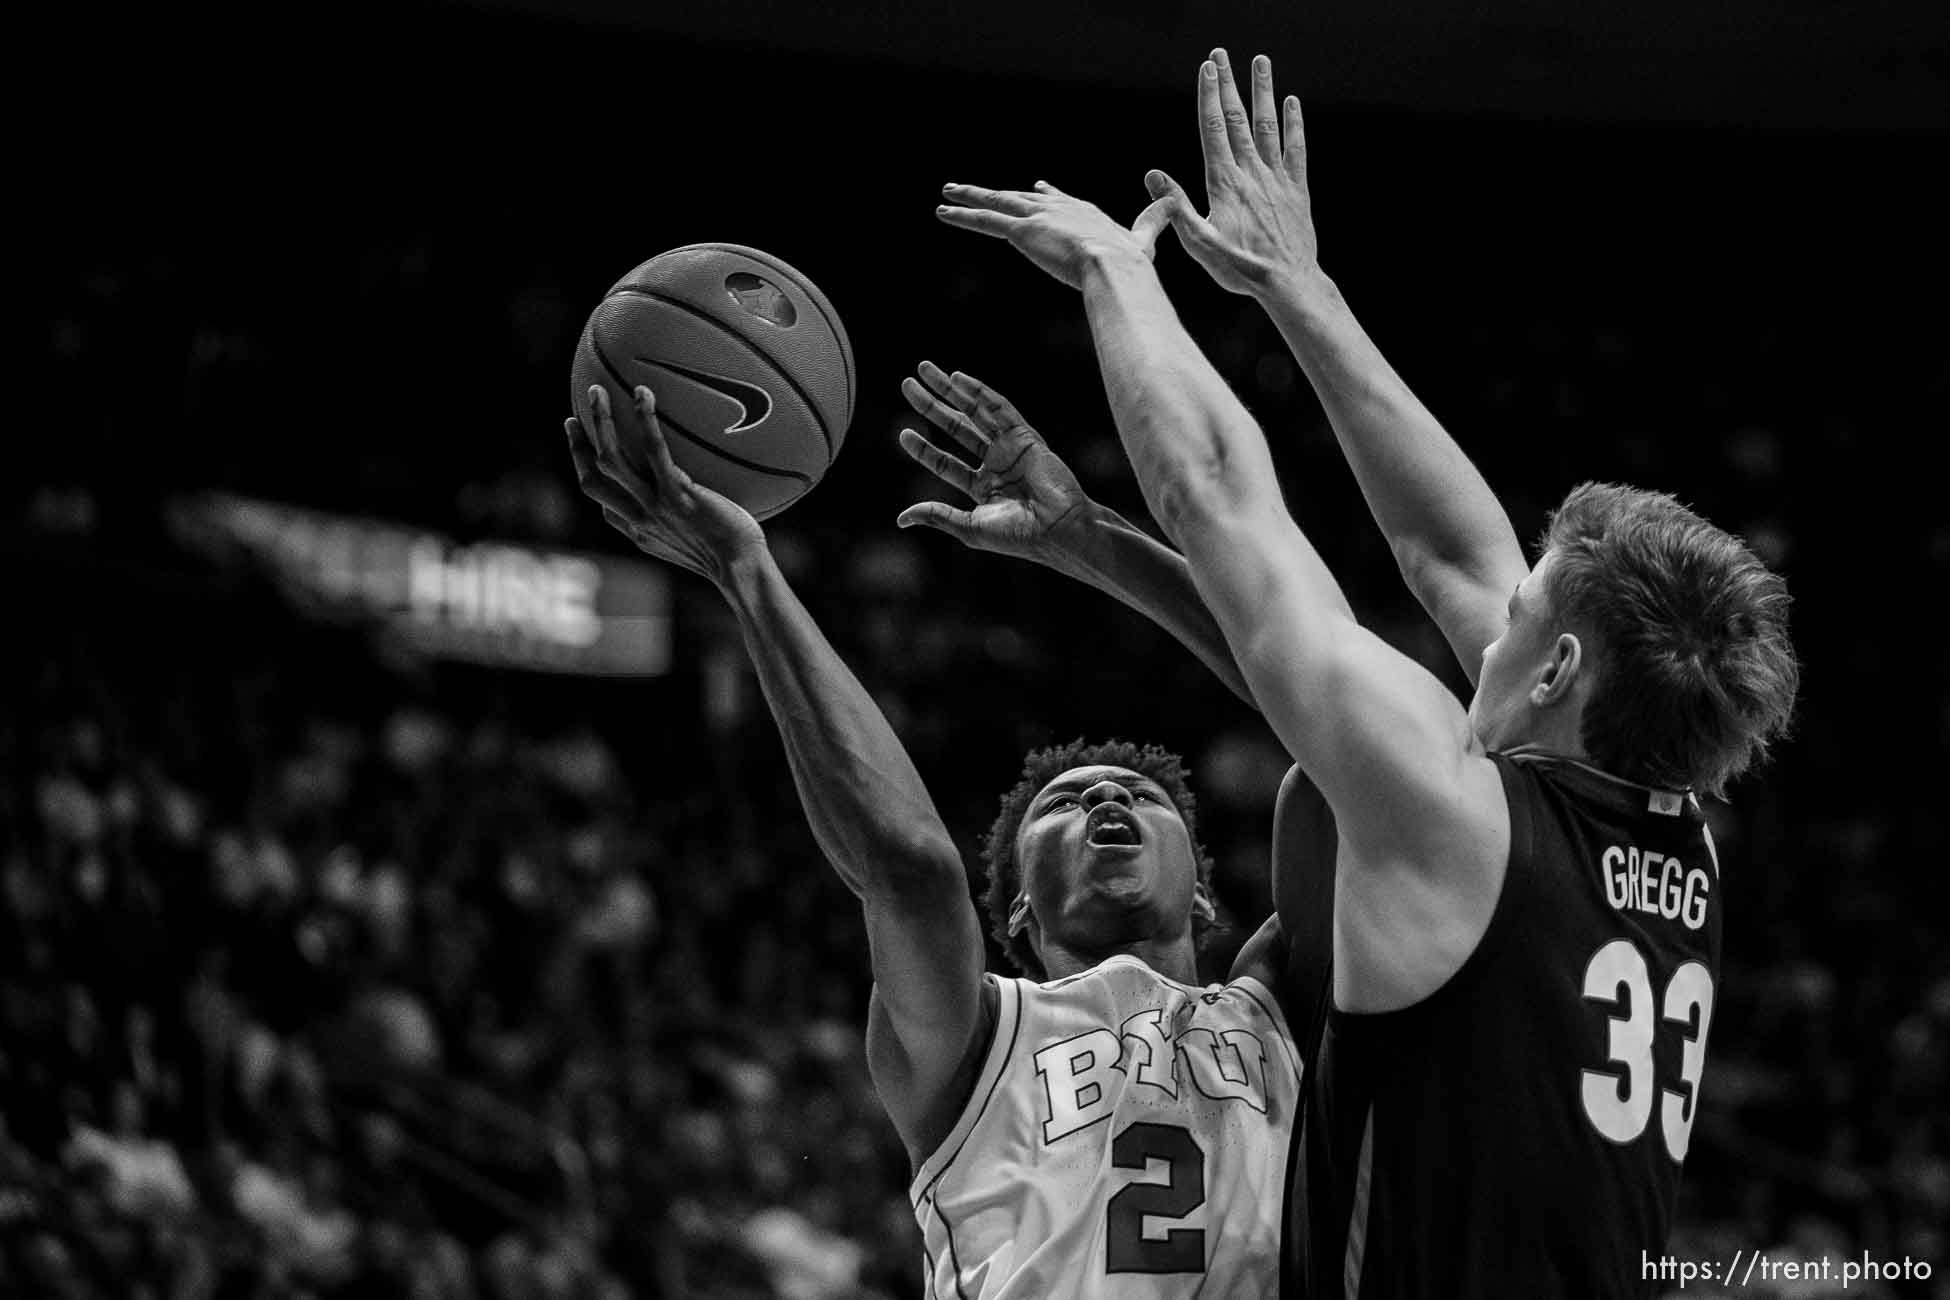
(596, 346)
(783, 373)
(814, 295)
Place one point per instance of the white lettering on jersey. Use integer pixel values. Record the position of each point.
(1080, 1082)
(1251, 1054)
(1655, 884)
(1219, 1070)
(1082, 1075)
(1154, 1065)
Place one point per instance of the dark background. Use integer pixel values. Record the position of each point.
(341, 258)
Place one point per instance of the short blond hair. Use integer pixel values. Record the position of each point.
(1696, 677)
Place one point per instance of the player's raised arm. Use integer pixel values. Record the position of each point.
(1387, 745)
(1450, 536)
(868, 809)
(1025, 502)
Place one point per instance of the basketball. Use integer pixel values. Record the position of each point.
(751, 368)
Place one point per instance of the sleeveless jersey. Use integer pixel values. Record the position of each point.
(1520, 1130)
(1126, 1138)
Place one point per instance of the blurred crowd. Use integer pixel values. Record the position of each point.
(394, 1007)
(416, 1006)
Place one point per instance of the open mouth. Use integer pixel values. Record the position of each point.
(1110, 826)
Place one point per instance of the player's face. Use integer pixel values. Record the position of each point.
(1106, 857)
(1501, 712)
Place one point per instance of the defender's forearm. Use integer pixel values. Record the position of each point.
(1433, 505)
(1198, 453)
(1179, 422)
(868, 808)
(1208, 476)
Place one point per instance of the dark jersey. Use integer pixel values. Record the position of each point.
(1520, 1130)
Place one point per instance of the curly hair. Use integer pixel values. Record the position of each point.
(1039, 768)
(1695, 672)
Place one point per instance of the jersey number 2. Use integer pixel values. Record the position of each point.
(1180, 1250)
(1620, 1105)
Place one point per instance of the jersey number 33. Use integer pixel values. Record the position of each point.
(1619, 1102)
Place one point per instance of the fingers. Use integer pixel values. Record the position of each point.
(633, 493)
(1212, 138)
(992, 412)
(1294, 154)
(1150, 223)
(978, 220)
(935, 378)
(938, 514)
(602, 430)
(942, 385)
(938, 462)
(1232, 108)
(610, 463)
(595, 484)
(1193, 230)
(632, 502)
(944, 417)
(1162, 186)
(999, 213)
(1266, 117)
(667, 471)
(580, 451)
(1011, 203)
(984, 413)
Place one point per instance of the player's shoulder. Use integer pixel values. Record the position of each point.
(924, 1098)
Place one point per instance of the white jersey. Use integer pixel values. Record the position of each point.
(1126, 1139)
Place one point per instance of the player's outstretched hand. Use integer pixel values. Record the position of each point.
(1025, 500)
(1261, 227)
(660, 508)
(1059, 233)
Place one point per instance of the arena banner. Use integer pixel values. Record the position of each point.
(492, 602)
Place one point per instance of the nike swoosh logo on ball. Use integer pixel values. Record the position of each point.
(754, 403)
